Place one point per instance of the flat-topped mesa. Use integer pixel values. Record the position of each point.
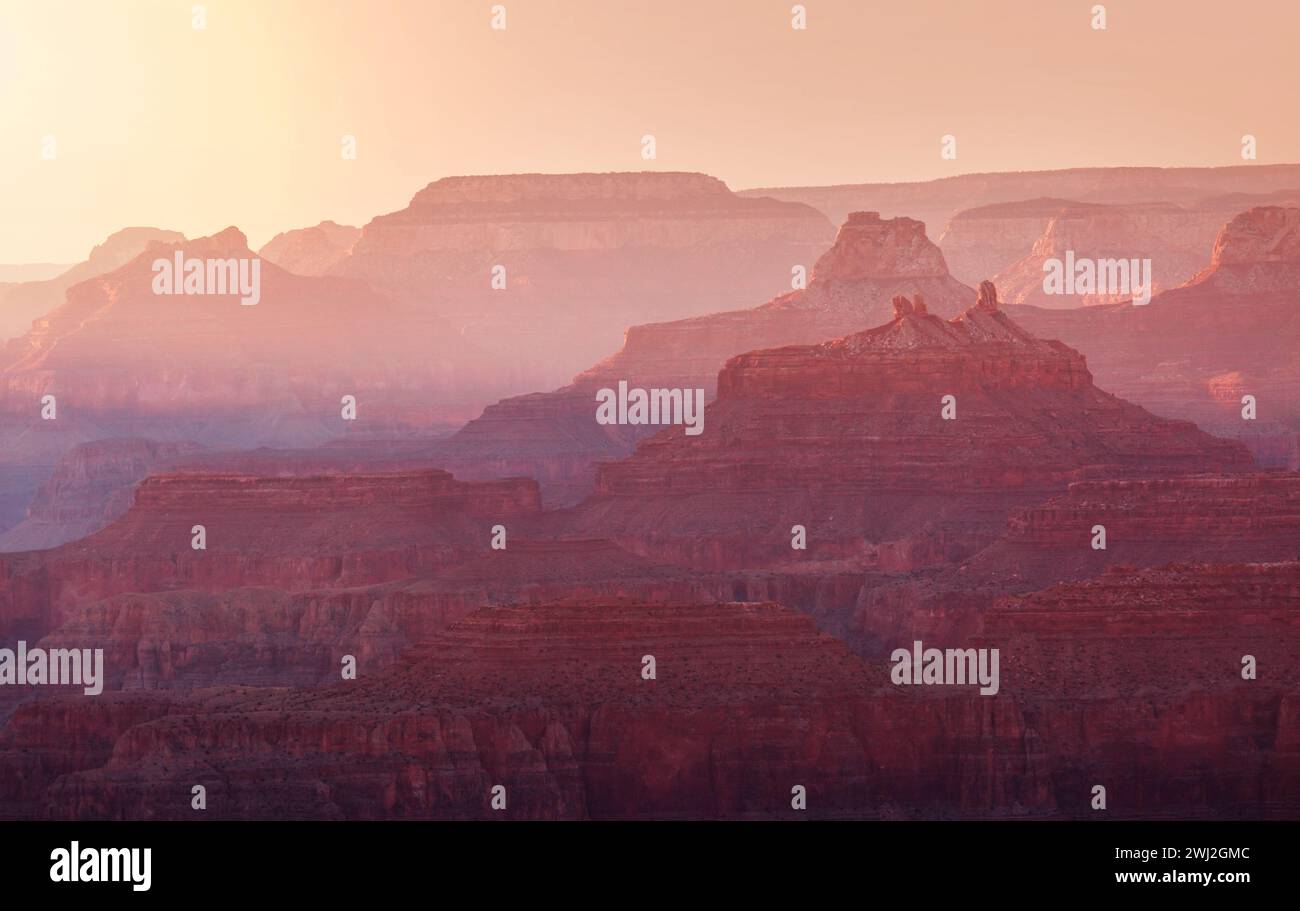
(900, 440)
(424, 489)
(218, 531)
(1116, 253)
(517, 212)
(1148, 521)
(986, 240)
(917, 350)
(231, 350)
(869, 247)
(511, 189)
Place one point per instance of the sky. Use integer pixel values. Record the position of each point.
(156, 122)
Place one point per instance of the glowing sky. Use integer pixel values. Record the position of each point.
(157, 123)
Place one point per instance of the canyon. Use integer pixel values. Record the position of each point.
(553, 436)
(320, 618)
(1194, 351)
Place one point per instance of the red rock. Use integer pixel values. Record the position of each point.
(1192, 352)
(290, 532)
(847, 439)
(1128, 682)
(554, 436)
(1175, 240)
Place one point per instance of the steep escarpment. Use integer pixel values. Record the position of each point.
(1195, 351)
(289, 532)
(554, 436)
(1169, 243)
(899, 446)
(984, 241)
(559, 705)
(544, 272)
(1085, 531)
(214, 365)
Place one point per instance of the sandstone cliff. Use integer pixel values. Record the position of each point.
(554, 436)
(580, 257)
(1195, 351)
(848, 438)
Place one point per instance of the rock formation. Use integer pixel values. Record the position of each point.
(553, 436)
(849, 439)
(984, 241)
(1175, 240)
(937, 202)
(1195, 351)
(317, 250)
(546, 271)
(26, 301)
(551, 703)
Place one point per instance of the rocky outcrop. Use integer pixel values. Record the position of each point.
(1195, 351)
(554, 437)
(1176, 242)
(1251, 518)
(849, 439)
(317, 250)
(747, 701)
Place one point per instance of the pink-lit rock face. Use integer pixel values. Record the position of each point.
(1174, 241)
(554, 436)
(295, 532)
(23, 302)
(311, 251)
(1195, 351)
(577, 258)
(942, 461)
(848, 439)
(982, 242)
(90, 487)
